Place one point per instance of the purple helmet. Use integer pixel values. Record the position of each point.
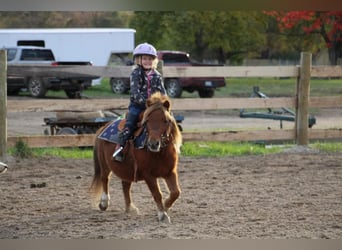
(145, 49)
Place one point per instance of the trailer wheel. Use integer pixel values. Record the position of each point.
(173, 88)
(119, 85)
(36, 87)
(66, 131)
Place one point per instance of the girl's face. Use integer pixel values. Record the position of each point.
(146, 61)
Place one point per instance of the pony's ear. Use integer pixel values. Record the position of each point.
(167, 105)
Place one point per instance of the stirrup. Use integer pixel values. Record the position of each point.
(119, 157)
(117, 151)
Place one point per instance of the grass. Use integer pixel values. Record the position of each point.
(193, 149)
(65, 153)
(219, 149)
(243, 87)
(236, 87)
(328, 146)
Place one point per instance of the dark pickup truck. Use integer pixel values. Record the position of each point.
(205, 86)
(38, 86)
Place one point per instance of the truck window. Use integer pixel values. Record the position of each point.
(37, 55)
(11, 54)
(175, 58)
(120, 59)
(38, 43)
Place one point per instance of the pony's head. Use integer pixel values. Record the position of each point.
(161, 126)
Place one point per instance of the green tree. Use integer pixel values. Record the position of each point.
(149, 27)
(63, 19)
(217, 35)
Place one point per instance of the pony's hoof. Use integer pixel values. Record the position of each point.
(164, 217)
(132, 210)
(102, 207)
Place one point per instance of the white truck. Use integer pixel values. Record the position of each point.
(37, 86)
(100, 46)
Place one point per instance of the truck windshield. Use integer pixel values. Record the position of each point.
(175, 58)
(37, 55)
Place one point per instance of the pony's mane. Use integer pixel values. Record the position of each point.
(156, 101)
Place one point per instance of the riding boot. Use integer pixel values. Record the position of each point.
(126, 133)
(123, 138)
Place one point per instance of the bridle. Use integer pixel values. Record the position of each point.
(155, 144)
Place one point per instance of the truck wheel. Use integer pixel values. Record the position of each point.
(173, 88)
(206, 93)
(36, 87)
(118, 85)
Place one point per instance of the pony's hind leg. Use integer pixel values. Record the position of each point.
(104, 202)
(130, 207)
(99, 186)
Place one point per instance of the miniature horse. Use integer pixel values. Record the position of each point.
(159, 158)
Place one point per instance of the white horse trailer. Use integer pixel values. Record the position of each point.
(74, 44)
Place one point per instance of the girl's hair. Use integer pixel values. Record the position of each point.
(137, 60)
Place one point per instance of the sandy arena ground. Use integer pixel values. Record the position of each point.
(290, 195)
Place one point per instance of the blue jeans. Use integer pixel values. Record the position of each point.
(133, 116)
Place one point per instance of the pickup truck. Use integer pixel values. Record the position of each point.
(205, 86)
(38, 86)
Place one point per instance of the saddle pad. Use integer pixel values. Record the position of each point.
(111, 132)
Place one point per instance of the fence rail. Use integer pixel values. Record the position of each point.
(301, 102)
(41, 141)
(177, 104)
(174, 71)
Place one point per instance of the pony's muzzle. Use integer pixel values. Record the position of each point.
(154, 145)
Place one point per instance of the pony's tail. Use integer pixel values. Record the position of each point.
(96, 184)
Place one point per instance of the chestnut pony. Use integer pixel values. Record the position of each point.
(158, 159)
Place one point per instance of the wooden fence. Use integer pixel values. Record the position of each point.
(301, 102)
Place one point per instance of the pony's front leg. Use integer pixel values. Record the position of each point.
(173, 185)
(126, 187)
(153, 185)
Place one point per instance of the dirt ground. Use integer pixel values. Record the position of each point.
(290, 195)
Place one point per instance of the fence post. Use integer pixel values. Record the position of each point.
(303, 94)
(3, 104)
